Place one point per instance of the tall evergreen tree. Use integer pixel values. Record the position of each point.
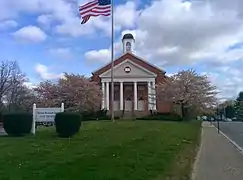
(239, 107)
(229, 111)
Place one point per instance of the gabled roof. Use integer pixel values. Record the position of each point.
(134, 59)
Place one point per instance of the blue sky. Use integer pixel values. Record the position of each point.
(29, 54)
(48, 39)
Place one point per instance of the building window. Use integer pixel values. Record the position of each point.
(128, 46)
(127, 69)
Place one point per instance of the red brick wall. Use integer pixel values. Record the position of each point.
(164, 107)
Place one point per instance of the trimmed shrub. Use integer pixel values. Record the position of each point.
(17, 124)
(67, 123)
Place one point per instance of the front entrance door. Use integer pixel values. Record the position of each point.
(128, 104)
(141, 104)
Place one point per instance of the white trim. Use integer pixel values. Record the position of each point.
(128, 61)
(154, 96)
(135, 88)
(149, 94)
(128, 79)
(156, 67)
(107, 96)
(121, 95)
(103, 95)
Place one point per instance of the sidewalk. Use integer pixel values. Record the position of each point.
(217, 157)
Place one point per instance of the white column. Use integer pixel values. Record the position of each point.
(149, 95)
(107, 96)
(121, 95)
(154, 95)
(135, 96)
(103, 96)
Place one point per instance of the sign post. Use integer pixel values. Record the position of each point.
(34, 119)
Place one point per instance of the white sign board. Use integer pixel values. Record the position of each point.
(46, 114)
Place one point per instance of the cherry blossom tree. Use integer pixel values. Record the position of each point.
(190, 90)
(77, 92)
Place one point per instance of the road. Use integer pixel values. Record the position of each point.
(234, 130)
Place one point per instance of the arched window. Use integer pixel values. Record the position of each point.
(128, 46)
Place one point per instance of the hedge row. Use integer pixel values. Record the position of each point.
(96, 115)
(20, 124)
(162, 116)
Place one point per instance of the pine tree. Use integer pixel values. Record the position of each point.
(239, 107)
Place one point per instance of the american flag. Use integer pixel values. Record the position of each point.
(95, 8)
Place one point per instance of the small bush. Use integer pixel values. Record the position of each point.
(67, 123)
(17, 124)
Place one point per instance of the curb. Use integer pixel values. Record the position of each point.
(199, 149)
(230, 140)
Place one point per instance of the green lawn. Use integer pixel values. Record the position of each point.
(131, 150)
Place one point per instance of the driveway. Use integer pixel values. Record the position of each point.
(234, 130)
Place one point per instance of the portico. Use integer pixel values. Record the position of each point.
(136, 95)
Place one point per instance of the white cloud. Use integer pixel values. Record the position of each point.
(126, 15)
(197, 31)
(8, 24)
(30, 34)
(45, 19)
(63, 15)
(64, 53)
(228, 80)
(44, 72)
(102, 55)
(30, 85)
(172, 32)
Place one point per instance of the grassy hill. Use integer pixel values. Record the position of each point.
(131, 150)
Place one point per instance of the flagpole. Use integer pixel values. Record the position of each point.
(112, 61)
